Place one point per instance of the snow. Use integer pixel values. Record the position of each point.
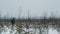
(6, 30)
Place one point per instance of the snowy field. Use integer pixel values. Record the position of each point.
(9, 30)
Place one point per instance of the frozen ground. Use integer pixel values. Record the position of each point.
(9, 30)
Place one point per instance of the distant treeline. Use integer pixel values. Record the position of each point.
(29, 19)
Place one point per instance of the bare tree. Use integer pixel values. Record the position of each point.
(20, 10)
(0, 14)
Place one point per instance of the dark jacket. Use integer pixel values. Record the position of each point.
(13, 21)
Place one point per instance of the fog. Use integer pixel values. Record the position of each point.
(36, 8)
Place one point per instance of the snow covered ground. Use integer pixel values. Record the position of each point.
(9, 30)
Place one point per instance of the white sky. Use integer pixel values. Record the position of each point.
(36, 7)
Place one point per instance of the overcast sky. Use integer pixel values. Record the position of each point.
(35, 7)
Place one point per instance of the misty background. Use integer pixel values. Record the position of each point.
(36, 8)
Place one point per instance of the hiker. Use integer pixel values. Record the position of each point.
(13, 21)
